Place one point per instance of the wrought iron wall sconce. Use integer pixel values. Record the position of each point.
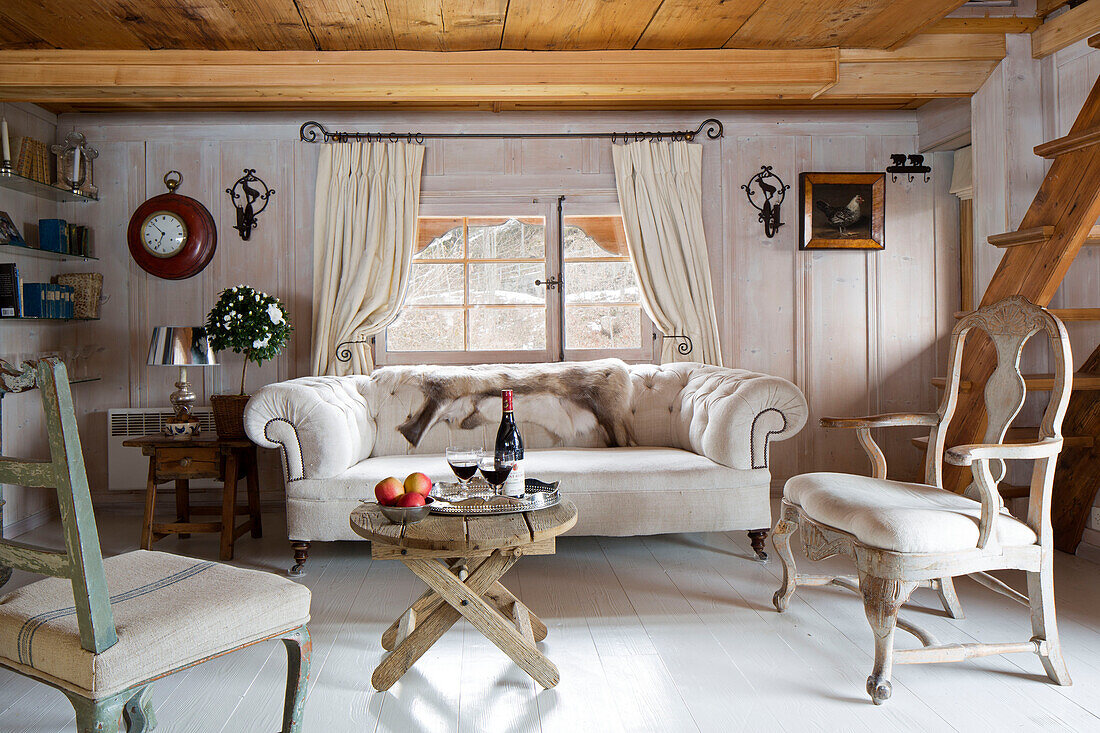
(684, 347)
(248, 211)
(772, 197)
(899, 167)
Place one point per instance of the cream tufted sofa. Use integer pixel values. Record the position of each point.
(699, 461)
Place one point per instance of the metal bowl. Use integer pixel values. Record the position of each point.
(407, 515)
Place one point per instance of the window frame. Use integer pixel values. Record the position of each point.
(534, 206)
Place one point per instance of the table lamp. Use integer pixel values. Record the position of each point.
(183, 347)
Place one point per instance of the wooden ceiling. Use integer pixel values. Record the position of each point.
(100, 55)
(463, 25)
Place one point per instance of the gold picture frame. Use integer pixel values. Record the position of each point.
(842, 210)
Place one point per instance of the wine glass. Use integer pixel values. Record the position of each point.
(495, 472)
(463, 461)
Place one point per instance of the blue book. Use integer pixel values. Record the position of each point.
(33, 301)
(53, 235)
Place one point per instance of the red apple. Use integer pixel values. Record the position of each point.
(388, 491)
(418, 483)
(410, 499)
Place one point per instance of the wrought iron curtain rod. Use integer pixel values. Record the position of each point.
(315, 132)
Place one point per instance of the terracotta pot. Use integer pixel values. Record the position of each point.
(229, 414)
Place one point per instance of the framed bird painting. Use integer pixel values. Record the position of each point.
(842, 210)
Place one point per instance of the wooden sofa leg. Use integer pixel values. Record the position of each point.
(301, 554)
(757, 538)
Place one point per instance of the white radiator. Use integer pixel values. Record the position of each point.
(127, 468)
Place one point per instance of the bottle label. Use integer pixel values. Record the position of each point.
(506, 395)
(516, 483)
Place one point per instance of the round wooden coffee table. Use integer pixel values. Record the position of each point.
(462, 560)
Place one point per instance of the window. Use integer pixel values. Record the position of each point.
(485, 287)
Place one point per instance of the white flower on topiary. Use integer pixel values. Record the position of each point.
(260, 343)
(275, 313)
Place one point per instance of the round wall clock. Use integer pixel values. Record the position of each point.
(172, 236)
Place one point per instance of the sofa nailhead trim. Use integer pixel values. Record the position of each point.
(282, 448)
(752, 435)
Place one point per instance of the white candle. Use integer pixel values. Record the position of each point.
(4, 139)
(76, 166)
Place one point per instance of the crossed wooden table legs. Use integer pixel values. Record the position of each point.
(487, 605)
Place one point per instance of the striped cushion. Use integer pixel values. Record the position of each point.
(169, 611)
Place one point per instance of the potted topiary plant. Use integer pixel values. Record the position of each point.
(250, 323)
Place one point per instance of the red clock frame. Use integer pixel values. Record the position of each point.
(202, 237)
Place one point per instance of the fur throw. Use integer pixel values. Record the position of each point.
(593, 389)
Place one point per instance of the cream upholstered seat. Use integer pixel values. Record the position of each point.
(903, 536)
(170, 611)
(898, 516)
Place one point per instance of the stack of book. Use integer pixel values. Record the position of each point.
(31, 159)
(57, 235)
(32, 300)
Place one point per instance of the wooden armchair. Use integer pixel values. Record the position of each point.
(902, 536)
(103, 631)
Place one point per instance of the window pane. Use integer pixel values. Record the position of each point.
(494, 238)
(601, 282)
(594, 236)
(438, 238)
(514, 328)
(507, 282)
(435, 285)
(426, 329)
(603, 326)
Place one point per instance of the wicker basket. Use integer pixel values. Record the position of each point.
(229, 414)
(87, 288)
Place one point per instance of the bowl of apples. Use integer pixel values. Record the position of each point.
(404, 502)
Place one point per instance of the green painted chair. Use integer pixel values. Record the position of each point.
(102, 631)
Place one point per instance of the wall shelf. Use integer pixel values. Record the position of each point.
(16, 182)
(32, 318)
(42, 254)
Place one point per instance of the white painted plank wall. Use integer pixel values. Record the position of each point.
(855, 330)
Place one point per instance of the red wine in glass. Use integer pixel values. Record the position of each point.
(463, 461)
(495, 473)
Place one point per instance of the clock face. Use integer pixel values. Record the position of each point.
(163, 234)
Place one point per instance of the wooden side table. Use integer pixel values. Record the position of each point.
(462, 560)
(204, 457)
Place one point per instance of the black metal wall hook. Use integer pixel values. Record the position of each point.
(248, 211)
(915, 165)
(773, 195)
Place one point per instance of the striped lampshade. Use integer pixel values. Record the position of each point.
(180, 346)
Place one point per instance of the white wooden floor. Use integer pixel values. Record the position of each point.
(666, 633)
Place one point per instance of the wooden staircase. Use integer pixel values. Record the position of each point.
(1060, 221)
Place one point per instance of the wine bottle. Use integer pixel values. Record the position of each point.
(509, 447)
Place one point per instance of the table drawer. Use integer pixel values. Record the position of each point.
(187, 463)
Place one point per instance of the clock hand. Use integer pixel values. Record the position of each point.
(157, 228)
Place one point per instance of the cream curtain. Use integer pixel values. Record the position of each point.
(368, 196)
(660, 193)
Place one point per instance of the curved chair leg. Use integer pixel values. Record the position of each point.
(299, 649)
(1044, 627)
(781, 540)
(97, 716)
(138, 712)
(882, 598)
(945, 587)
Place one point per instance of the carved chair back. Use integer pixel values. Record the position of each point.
(82, 560)
(1009, 324)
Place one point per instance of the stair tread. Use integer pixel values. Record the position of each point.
(1022, 236)
(1036, 235)
(1036, 382)
(1066, 314)
(1069, 143)
(1023, 435)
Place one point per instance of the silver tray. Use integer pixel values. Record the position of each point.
(479, 499)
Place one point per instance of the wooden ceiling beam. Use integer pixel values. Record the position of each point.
(593, 78)
(1005, 24)
(1066, 28)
